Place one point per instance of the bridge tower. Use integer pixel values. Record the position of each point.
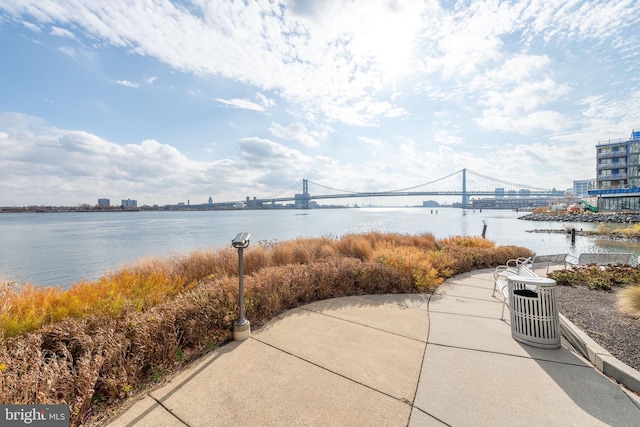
(465, 196)
(305, 194)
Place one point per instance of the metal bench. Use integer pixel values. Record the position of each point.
(549, 260)
(601, 259)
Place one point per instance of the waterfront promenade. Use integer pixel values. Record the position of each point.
(390, 360)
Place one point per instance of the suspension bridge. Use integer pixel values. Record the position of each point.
(464, 183)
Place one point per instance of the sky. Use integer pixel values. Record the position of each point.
(178, 101)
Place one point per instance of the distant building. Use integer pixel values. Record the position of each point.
(252, 203)
(430, 204)
(104, 203)
(512, 202)
(618, 174)
(129, 203)
(210, 202)
(581, 187)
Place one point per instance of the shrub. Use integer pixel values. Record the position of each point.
(255, 259)
(276, 289)
(138, 288)
(153, 281)
(595, 277)
(590, 276)
(92, 361)
(463, 256)
(412, 261)
(93, 344)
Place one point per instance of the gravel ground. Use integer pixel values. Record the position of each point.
(595, 312)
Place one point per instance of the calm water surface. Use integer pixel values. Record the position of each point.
(63, 248)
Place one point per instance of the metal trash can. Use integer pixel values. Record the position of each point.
(534, 311)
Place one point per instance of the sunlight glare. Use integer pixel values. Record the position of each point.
(387, 41)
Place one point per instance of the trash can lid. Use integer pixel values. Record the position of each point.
(532, 279)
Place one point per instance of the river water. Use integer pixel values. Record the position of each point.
(63, 248)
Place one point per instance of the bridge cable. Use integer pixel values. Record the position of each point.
(276, 194)
(479, 175)
(389, 191)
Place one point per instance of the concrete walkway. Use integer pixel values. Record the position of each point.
(390, 360)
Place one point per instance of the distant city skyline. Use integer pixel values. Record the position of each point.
(182, 100)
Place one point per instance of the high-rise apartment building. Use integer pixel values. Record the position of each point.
(618, 174)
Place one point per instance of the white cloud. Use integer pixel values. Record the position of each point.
(67, 50)
(448, 137)
(374, 142)
(605, 118)
(294, 132)
(79, 167)
(521, 122)
(575, 20)
(443, 84)
(334, 58)
(520, 109)
(61, 32)
(266, 102)
(257, 43)
(258, 151)
(243, 104)
(31, 26)
(127, 83)
(515, 70)
(270, 164)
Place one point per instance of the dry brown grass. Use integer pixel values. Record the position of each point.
(467, 241)
(356, 246)
(413, 261)
(94, 344)
(629, 300)
(542, 209)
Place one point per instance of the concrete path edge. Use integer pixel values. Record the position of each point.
(599, 357)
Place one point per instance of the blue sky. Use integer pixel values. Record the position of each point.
(165, 102)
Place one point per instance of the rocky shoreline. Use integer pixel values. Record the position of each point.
(610, 234)
(618, 218)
